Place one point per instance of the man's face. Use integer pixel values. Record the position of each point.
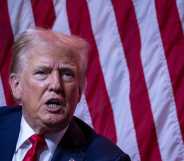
(48, 88)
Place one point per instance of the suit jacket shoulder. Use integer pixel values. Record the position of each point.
(9, 131)
(81, 143)
(101, 148)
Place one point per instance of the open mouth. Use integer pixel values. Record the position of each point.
(55, 104)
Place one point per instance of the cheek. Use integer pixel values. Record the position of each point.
(33, 86)
(73, 96)
(32, 91)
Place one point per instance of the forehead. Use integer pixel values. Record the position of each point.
(52, 55)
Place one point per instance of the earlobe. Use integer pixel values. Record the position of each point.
(14, 81)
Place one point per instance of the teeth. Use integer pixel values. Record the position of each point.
(54, 106)
(55, 103)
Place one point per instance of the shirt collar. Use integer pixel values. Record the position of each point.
(26, 132)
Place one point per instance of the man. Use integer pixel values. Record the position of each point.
(47, 78)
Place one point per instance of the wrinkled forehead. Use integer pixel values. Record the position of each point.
(59, 51)
(52, 50)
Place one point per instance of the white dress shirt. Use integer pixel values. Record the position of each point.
(23, 145)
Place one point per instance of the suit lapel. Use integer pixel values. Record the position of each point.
(72, 145)
(62, 154)
(9, 132)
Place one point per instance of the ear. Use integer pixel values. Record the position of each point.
(14, 81)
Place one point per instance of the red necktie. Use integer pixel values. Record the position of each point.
(38, 144)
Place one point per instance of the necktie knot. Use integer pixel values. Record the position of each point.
(38, 143)
(37, 140)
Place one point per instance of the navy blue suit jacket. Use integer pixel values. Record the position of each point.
(79, 143)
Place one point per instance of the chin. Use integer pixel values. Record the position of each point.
(56, 123)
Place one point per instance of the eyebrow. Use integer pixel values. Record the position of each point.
(63, 66)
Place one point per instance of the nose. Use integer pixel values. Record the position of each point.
(56, 84)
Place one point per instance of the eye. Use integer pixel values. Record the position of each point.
(41, 74)
(67, 74)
